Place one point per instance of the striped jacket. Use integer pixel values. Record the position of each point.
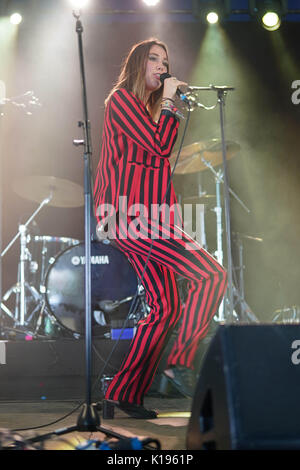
(134, 157)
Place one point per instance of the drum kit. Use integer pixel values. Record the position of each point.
(49, 293)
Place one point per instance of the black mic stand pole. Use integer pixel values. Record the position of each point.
(88, 418)
(221, 92)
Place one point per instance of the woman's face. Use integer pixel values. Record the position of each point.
(157, 63)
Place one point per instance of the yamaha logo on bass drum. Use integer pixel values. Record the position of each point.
(80, 260)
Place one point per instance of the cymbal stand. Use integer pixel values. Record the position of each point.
(219, 250)
(219, 178)
(24, 257)
(201, 215)
(22, 285)
(241, 266)
(246, 312)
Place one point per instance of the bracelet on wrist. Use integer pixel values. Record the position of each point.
(168, 107)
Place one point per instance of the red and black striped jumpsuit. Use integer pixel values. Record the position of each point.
(134, 163)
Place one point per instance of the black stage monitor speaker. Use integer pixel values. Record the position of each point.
(248, 391)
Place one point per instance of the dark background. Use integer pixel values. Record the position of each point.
(260, 117)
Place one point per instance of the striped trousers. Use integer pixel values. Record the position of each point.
(173, 253)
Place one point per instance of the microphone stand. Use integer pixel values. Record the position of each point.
(88, 419)
(221, 92)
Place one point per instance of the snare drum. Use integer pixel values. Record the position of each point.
(112, 278)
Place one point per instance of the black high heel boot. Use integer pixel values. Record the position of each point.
(133, 410)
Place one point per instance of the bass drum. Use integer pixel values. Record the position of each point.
(112, 278)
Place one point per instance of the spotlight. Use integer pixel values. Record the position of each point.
(151, 3)
(211, 11)
(271, 21)
(268, 12)
(15, 18)
(212, 17)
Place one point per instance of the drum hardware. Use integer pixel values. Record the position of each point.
(219, 252)
(201, 201)
(202, 198)
(139, 310)
(287, 315)
(248, 237)
(53, 192)
(246, 314)
(238, 240)
(47, 317)
(30, 298)
(200, 223)
(7, 311)
(110, 306)
(22, 285)
(219, 179)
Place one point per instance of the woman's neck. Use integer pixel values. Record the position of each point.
(146, 97)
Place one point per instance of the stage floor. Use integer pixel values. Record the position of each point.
(169, 428)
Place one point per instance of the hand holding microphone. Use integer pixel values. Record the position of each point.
(171, 87)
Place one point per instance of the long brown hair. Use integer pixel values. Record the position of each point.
(132, 75)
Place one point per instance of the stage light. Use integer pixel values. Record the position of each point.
(271, 21)
(268, 12)
(15, 18)
(151, 3)
(212, 17)
(211, 11)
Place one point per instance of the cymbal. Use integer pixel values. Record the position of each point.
(190, 159)
(63, 193)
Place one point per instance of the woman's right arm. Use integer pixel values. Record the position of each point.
(127, 115)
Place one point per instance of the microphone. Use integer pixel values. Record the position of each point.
(179, 93)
